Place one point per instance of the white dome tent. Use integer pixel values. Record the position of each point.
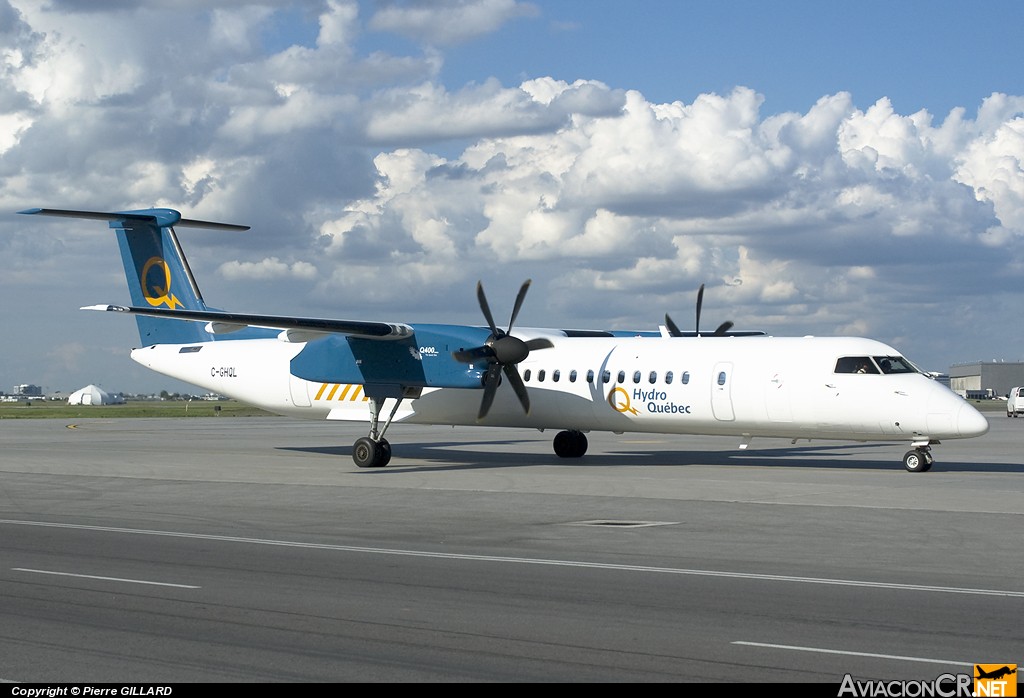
(94, 395)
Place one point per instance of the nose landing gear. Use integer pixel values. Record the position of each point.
(919, 460)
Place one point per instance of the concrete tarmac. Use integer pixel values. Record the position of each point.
(253, 550)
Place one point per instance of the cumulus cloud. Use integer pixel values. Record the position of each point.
(267, 269)
(404, 191)
(789, 211)
(428, 112)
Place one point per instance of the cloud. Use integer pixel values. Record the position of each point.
(428, 112)
(831, 206)
(993, 166)
(267, 269)
(404, 191)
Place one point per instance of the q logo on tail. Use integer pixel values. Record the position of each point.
(158, 290)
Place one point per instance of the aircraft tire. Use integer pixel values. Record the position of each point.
(570, 444)
(917, 461)
(367, 453)
(385, 452)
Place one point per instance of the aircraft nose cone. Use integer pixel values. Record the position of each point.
(970, 422)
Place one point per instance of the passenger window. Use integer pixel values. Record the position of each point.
(606, 377)
(540, 376)
(526, 375)
(653, 378)
(636, 376)
(590, 376)
(721, 378)
(622, 376)
(572, 376)
(686, 377)
(555, 375)
(668, 378)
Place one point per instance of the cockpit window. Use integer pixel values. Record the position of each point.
(874, 364)
(856, 364)
(895, 364)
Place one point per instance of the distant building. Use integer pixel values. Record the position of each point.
(28, 390)
(94, 395)
(986, 378)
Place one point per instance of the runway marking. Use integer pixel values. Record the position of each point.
(821, 650)
(106, 579)
(621, 524)
(530, 561)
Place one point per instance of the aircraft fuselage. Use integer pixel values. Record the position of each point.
(740, 386)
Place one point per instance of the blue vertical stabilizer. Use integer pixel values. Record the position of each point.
(158, 274)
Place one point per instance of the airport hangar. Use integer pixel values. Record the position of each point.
(979, 376)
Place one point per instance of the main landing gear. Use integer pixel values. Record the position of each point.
(570, 444)
(919, 460)
(367, 453)
(374, 451)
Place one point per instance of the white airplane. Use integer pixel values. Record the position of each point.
(742, 385)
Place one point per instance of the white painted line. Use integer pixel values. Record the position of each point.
(105, 579)
(533, 561)
(821, 650)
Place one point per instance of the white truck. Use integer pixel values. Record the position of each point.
(1015, 402)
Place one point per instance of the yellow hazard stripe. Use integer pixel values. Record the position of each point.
(346, 393)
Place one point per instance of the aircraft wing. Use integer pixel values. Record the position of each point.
(221, 323)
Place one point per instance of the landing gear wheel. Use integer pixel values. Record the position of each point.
(367, 453)
(570, 444)
(918, 461)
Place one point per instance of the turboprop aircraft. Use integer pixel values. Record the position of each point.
(737, 384)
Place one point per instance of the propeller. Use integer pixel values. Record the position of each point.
(674, 330)
(502, 352)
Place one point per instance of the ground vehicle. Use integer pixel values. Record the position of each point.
(1015, 402)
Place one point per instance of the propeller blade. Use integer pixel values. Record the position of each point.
(540, 343)
(723, 328)
(517, 386)
(673, 328)
(700, 303)
(486, 308)
(502, 352)
(519, 303)
(490, 388)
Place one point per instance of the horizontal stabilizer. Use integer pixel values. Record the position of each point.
(354, 328)
(160, 216)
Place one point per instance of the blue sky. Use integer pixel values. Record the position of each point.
(935, 55)
(825, 168)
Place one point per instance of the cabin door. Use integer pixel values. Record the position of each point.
(721, 392)
(299, 391)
